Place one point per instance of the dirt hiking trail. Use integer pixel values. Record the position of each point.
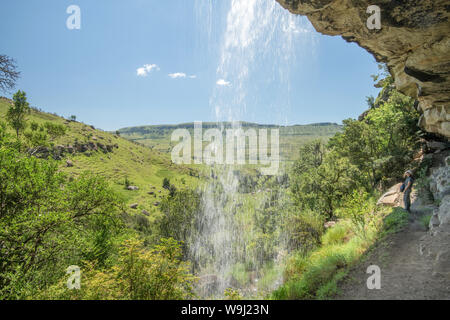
(414, 264)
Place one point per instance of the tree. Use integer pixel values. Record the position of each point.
(157, 273)
(16, 115)
(321, 178)
(48, 222)
(384, 142)
(55, 130)
(8, 73)
(179, 214)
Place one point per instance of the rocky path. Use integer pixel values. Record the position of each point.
(414, 264)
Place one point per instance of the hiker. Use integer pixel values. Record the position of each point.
(406, 188)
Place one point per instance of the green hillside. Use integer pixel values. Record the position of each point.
(143, 167)
(158, 137)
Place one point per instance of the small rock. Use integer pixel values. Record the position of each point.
(329, 224)
(156, 204)
(132, 188)
(69, 163)
(145, 212)
(392, 197)
(134, 206)
(151, 193)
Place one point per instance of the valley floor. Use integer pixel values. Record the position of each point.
(414, 265)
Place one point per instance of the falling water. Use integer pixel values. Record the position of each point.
(251, 34)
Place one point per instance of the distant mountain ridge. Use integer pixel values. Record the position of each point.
(189, 125)
(158, 137)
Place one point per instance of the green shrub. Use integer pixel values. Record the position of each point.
(425, 220)
(395, 221)
(337, 234)
(304, 230)
(140, 274)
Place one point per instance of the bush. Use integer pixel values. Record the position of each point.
(337, 234)
(48, 222)
(304, 230)
(140, 274)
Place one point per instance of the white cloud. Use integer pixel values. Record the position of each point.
(223, 82)
(193, 76)
(177, 75)
(146, 69)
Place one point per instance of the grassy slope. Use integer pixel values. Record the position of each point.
(144, 167)
(318, 274)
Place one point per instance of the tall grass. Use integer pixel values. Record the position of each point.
(315, 275)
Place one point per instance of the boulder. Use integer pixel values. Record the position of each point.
(393, 197)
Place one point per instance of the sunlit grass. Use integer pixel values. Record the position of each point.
(316, 275)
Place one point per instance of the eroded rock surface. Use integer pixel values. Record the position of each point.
(413, 41)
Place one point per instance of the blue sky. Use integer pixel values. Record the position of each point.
(143, 62)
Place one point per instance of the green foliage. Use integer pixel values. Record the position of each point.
(232, 294)
(304, 230)
(140, 274)
(320, 179)
(179, 214)
(384, 143)
(36, 138)
(17, 112)
(359, 208)
(337, 234)
(55, 130)
(425, 220)
(46, 221)
(34, 126)
(395, 221)
(166, 183)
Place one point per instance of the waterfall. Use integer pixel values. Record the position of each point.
(248, 34)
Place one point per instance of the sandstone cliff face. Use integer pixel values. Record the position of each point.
(413, 41)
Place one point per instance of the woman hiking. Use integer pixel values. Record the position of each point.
(406, 188)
